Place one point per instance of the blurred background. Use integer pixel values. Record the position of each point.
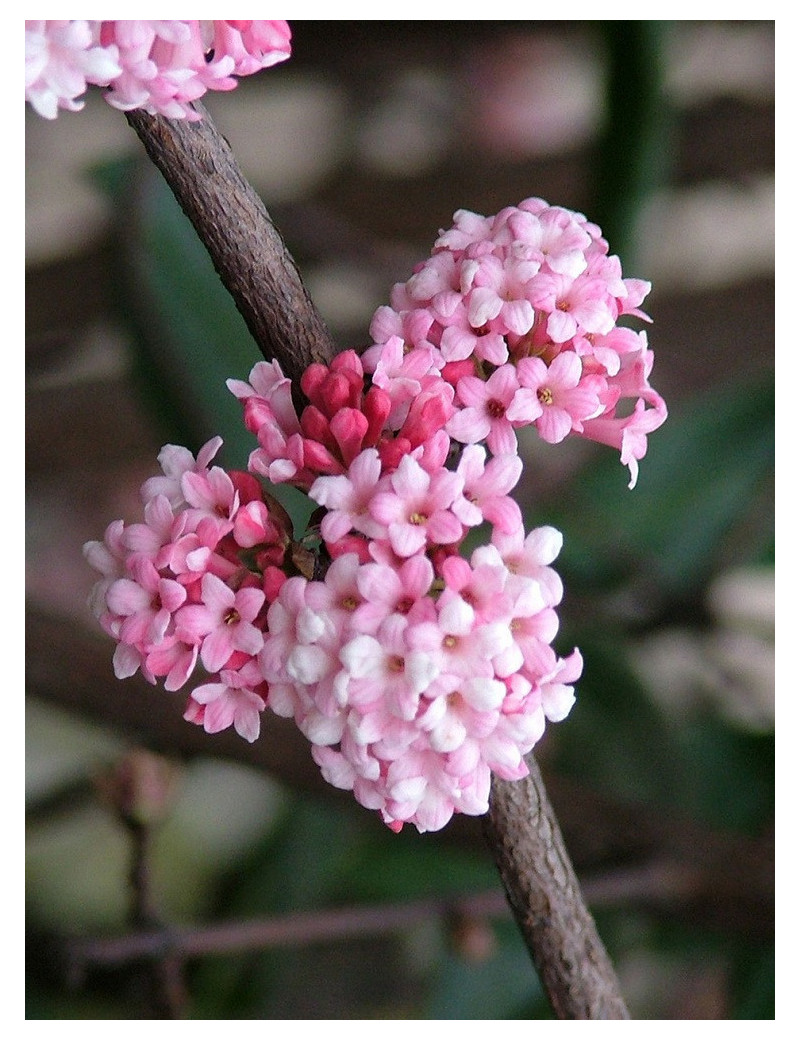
(362, 147)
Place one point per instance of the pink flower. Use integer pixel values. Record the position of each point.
(527, 558)
(461, 648)
(573, 305)
(629, 433)
(159, 66)
(175, 462)
(61, 59)
(347, 498)
(496, 292)
(485, 495)
(388, 588)
(484, 415)
(385, 669)
(222, 622)
(233, 701)
(147, 603)
(417, 509)
(566, 397)
(557, 690)
(252, 45)
(472, 709)
(479, 585)
(210, 496)
(553, 236)
(461, 339)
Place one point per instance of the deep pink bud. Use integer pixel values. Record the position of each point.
(377, 406)
(349, 427)
(315, 426)
(312, 379)
(348, 361)
(391, 451)
(318, 459)
(247, 486)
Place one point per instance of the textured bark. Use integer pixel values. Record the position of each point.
(546, 901)
(254, 265)
(246, 248)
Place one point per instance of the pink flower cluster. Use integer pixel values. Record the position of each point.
(414, 654)
(520, 313)
(191, 585)
(161, 66)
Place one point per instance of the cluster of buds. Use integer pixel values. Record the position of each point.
(415, 666)
(158, 66)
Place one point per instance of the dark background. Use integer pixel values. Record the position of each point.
(362, 146)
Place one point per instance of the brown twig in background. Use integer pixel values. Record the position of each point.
(299, 929)
(251, 259)
(138, 791)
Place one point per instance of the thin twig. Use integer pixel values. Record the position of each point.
(255, 266)
(290, 930)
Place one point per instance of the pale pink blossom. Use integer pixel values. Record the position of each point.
(222, 622)
(61, 59)
(552, 236)
(175, 461)
(557, 688)
(566, 396)
(386, 668)
(416, 510)
(527, 558)
(158, 66)
(233, 701)
(210, 496)
(347, 497)
(147, 602)
(462, 338)
(484, 412)
(485, 495)
(496, 290)
(573, 305)
(388, 588)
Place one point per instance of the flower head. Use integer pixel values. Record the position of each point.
(158, 66)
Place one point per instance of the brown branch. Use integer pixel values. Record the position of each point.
(546, 900)
(254, 265)
(246, 248)
(299, 929)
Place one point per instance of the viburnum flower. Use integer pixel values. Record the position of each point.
(416, 508)
(233, 701)
(158, 66)
(534, 283)
(61, 59)
(485, 495)
(222, 622)
(484, 415)
(415, 668)
(567, 398)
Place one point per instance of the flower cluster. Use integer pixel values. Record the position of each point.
(415, 655)
(191, 585)
(161, 66)
(520, 313)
